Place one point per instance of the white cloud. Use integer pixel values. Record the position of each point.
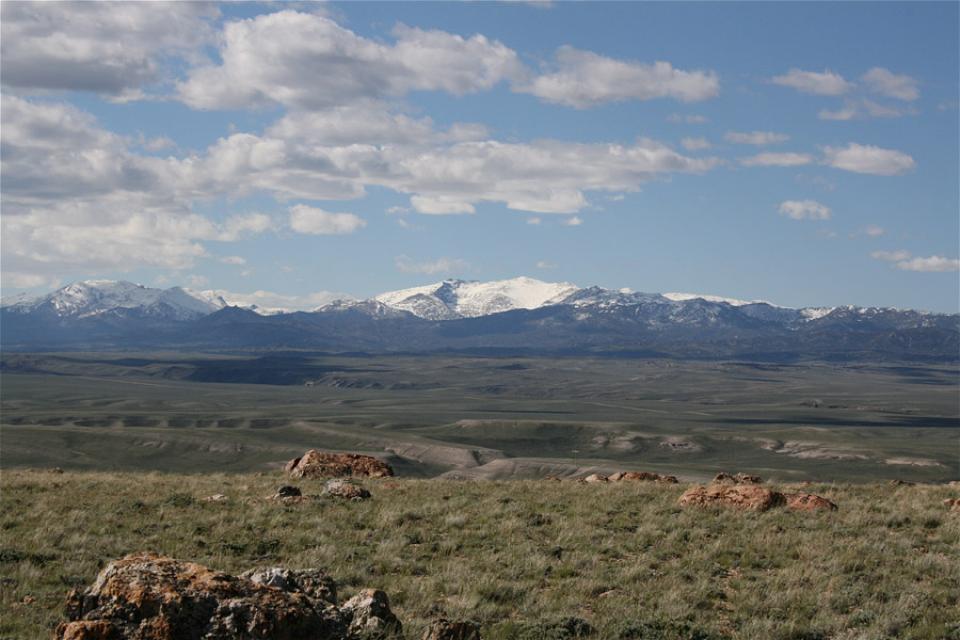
(868, 159)
(441, 205)
(585, 79)
(874, 231)
(930, 264)
(777, 160)
(891, 85)
(865, 108)
(891, 256)
(848, 112)
(758, 138)
(271, 301)
(235, 260)
(573, 221)
(804, 210)
(441, 265)
(679, 118)
(534, 220)
(311, 220)
(544, 264)
(195, 281)
(695, 144)
(309, 61)
(825, 83)
(904, 261)
(106, 47)
(236, 226)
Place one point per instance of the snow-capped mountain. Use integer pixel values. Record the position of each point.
(518, 314)
(452, 299)
(97, 297)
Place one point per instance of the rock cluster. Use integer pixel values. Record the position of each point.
(751, 497)
(740, 478)
(318, 464)
(145, 596)
(622, 476)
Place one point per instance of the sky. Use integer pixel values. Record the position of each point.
(800, 153)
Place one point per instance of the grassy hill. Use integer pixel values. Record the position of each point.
(519, 557)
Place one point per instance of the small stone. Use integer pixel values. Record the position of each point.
(345, 489)
(217, 497)
(443, 629)
(287, 491)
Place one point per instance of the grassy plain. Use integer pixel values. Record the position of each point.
(482, 417)
(519, 557)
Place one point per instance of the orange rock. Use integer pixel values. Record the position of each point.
(318, 464)
(738, 496)
(595, 477)
(151, 597)
(808, 502)
(952, 503)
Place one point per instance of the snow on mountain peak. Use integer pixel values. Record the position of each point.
(733, 302)
(451, 299)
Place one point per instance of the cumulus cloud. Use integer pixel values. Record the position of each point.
(905, 261)
(695, 144)
(865, 108)
(314, 221)
(309, 61)
(758, 138)
(874, 231)
(777, 160)
(448, 266)
(886, 83)
(868, 159)
(804, 210)
(823, 83)
(105, 47)
(583, 79)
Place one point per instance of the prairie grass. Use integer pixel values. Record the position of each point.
(525, 559)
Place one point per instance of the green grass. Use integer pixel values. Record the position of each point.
(519, 557)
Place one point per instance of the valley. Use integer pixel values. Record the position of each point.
(481, 417)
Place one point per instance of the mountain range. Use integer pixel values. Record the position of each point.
(518, 315)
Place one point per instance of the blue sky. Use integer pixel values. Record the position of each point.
(802, 153)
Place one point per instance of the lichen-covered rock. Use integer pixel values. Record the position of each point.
(318, 464)
(808, 502)
(146, 596)
(737, 496)
(740, 478)
(313, 582)
(446, 630)
(345, 489)
(369, 616)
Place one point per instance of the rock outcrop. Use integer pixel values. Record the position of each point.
(146, 596)
(345, 489)
(317, 464)
(752, 497)
(808, 502)
(740, 478)
(648, 476)
(443, 629)
(737, 496)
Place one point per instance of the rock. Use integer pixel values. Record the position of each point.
(369, 615)
(648, 476)
(345, 489)
(317, 464)
(217, 497)
(901, 483)
(146, 596)
(808, 502)
(615, 477)
(287, 491)
(595, 477)
(151, 597)
(952, 503)
(313, 582)
(738, 496)
(446, 630)
(740, 478)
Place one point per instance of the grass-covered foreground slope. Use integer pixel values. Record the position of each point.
(515, 556)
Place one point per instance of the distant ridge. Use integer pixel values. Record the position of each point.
(516, 314)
